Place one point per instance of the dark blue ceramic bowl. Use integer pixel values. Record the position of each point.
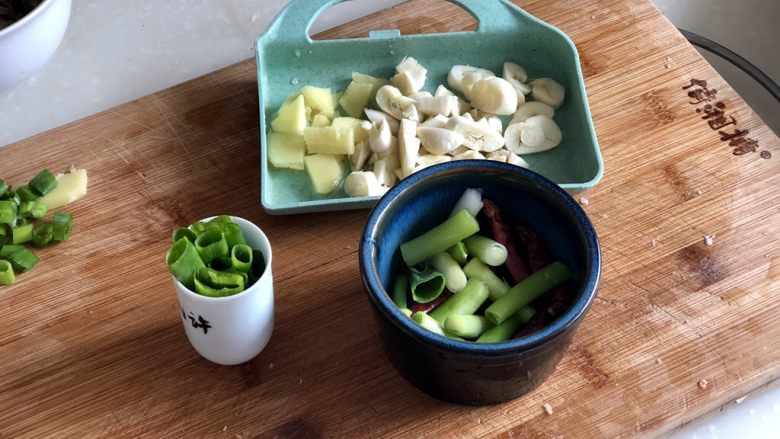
(464, 372)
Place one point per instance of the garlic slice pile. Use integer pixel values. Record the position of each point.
(409, 129)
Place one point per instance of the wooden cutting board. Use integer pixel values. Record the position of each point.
(92, 343)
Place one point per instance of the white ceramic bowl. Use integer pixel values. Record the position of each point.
(233, 329)
(27, 44)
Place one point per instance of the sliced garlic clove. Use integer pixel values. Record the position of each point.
(536, 134)
(496, 124)
(360, 156)
(437, 121)
(408, 146)
(376, 116)
(439, 140)
(469, 155)
(552, 133)
(443, 91)
(412, 113)
(530, 109)
(549, 91)
(380, 137)
(514, 73)
(499, 155)
(494, 95)
(459, 150)
(532, 135)
(475, 136)
(380, 171)
(362, 184)
(416, 72)
(457, 72)
(514, 159)
(431, 105)
(392, 102)
(426, 160)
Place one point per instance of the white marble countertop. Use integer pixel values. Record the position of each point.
(118, 50)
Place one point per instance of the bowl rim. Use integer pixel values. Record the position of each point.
(382, 301)
(27, 17)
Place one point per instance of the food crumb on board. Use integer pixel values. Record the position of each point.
(658, 361)
(592, 17)
(703, 383)
(699, 192)
(300, 381)
(548, 409)
(270, 365)
(584, 201)
(224, 428)
(708, 240)
(653, 242)
(740, 399)
(667, 62)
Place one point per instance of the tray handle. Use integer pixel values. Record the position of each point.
(294, 21)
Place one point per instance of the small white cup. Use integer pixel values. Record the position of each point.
(233, 329)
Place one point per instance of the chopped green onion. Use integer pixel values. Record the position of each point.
(401, 291)
(220, 264)
(467, 326)
(427, 322)
(453, 275)
(26, 194)
(459, 252)
(43, 183)
(211, 244)
(233, 235)
(198, 228)
(486, 250)
(7, 276)
(241, 258)
(426, 283)
(9, 249)
(16, 199)
(466, 301)
(23, 260)
(527, 291)
(407, 312)
(4, 232)
(439, 238)
(214, 283)
(8, 211)
(508, 327)
(220, 220)
(43, 234)
(183, 260)
(183, 232)
(32, 209)
(4, 189)
(496, 286)
(21, 234)
(63, 223)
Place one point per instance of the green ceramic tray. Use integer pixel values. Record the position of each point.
(287, 58)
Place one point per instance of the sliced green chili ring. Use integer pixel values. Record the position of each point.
(426, 283)
(9, 249)
(214, 283)
(4, 189)
(211, 244)
(63, 223)
(183, 232)
(241, 258)
(23, 260)
(21, 234)
(221, 264)
(8, 211)
(183, 260)
(43, 183)
(26, 194)
(32, 209)
(233, 235)
(7, 276)
(43, 234)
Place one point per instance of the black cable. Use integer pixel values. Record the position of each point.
(734, 58)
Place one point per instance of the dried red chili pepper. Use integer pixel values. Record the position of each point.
(430, 306)
(515, 262)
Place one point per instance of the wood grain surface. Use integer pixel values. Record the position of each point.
(92, 344)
